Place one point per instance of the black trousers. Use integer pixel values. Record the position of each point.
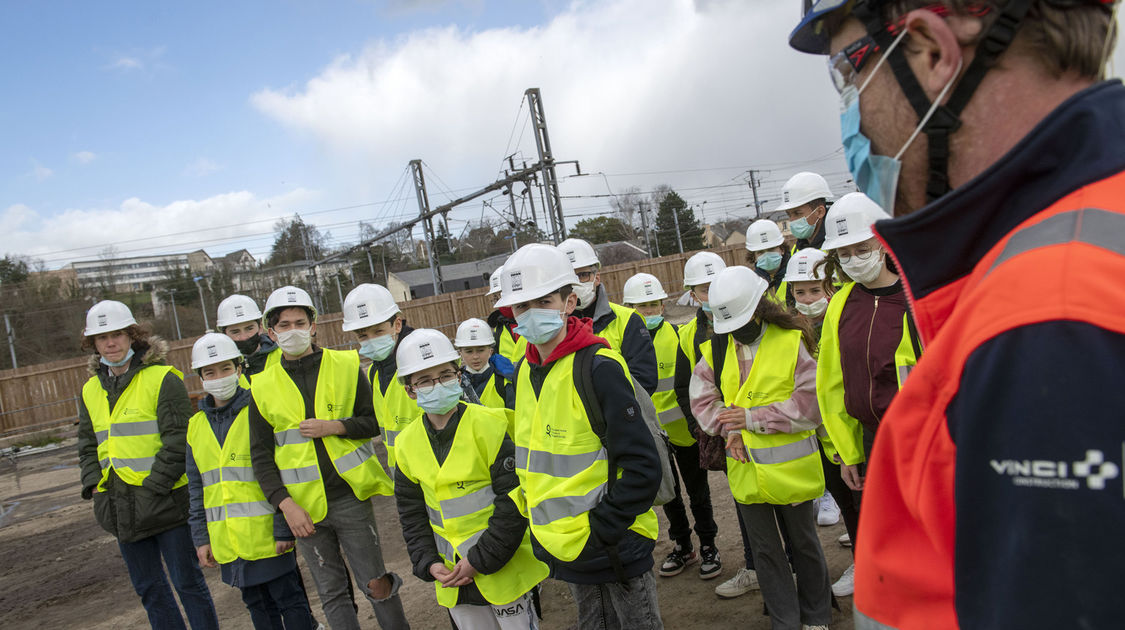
(699, 498)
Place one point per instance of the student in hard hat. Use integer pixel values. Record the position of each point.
(595, 528)
(370, 312)
(768, 256)
(132, 427)
(456, 468)
(474, 343)
(509, 344)
(232, 523)
(311, 424)
(644, 293)
(622, 327)
(868, 345)
(804, 198)
(238, 317)
(756, 386)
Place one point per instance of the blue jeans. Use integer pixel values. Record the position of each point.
(279, 604)
(142, 558)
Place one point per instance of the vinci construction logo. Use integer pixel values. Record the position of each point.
(1041, 473)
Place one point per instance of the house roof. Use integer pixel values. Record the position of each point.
(456, 271)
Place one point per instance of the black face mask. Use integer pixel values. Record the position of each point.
(748, 333)
(249, 345)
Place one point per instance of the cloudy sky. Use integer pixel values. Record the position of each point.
(169, 127)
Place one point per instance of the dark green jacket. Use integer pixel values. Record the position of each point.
(129, 512)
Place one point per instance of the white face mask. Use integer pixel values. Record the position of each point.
(222, 388)
(816, 309)
(294, 342)
(585, 292)
(472, 371)
(864, 271)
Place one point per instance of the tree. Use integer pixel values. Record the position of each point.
(627, 207)
(13, 269)
(107, 277)
(296, 240)
(600, 230)
(672, 209)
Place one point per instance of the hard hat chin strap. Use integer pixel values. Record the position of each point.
(945, 119)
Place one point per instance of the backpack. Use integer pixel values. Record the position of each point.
(584, 384)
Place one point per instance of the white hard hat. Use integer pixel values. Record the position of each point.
(803, 188)
(849, 220)
(214, 348)
(367, 305)
(108, 316)
(424, 348)
(532, 272)
(803, 265)
(287, 297)
(236, 309)
(580, 253)
(643, 287)
(763, 234)
(702, 268)
(473, 332)
(494, 281)
(734, 297)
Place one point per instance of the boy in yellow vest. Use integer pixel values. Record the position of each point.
(311, 424)
(238, 317)
(456, 467)
(474, 343)
(231, 521)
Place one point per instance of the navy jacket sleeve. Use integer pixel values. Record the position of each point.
(416, 530)
(630, 447)
(173, 410)
(261, 457)
(362, 424)
(506, 526)
(87, 451)
(681, 383)
(197, 518)
(1039, 425)
(639, 353)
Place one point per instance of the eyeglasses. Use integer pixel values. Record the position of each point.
(862, 252)
(426, 386)
(586, 276)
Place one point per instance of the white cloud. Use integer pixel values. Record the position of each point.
(137, 60)
(39, 172)
(201, 168)
(84, 157)
(127, 63)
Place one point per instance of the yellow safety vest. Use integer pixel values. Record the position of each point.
(510, 347)
(459, 500)
(129, 434)
(783, 468)
(845, 433)
(239, 518)
(668, 409)
(490, 396)
(281, 404)
(561, 462)
(687, 341)
(272, 359)
(394, 409)
(614, 332)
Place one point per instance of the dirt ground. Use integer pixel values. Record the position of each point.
(59, 569)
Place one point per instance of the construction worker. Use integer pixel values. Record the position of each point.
(768, 256)
(311, 424)
(509, 345)
(867, 345)
(644, 293)
(588, 496)
(231, 521)
(756, 386)
(1015, 280)
(622, 327)
(132, 427)
(456, 468)
(474, 343)
(804, 198)
(239, 318)
(370, 312)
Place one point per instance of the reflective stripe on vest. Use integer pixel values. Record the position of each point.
(459, 499)
(282, 406)
(393, 409)
(239, 518)
(128, 436)
(784, 468)
(561, 462)
(666, 342)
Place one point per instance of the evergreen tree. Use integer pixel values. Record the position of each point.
(672, 209)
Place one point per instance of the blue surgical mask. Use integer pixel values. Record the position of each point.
(705, 306)
(125, 361)
(377, 348)
(801, 228)
(768, 262)
(539, 325)
(441, 398)
(652, 321)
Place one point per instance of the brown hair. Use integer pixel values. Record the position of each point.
(138, 335)
(773, 313)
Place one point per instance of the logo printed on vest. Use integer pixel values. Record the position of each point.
(555, 433)
(461, 485)
(1042, 473)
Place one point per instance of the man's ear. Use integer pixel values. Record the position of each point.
(933, 50)
(598, 278)
(312, 329)
(271, 334)
(410, 392)
(398, 325)
(571, 303)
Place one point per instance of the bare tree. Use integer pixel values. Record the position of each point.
(627, 207)
(107, 278)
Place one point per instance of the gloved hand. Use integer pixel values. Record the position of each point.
(502, 365)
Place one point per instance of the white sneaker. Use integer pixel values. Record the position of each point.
(827, 513)
(846, 584)
(743, 582)
(808, 627)
(845, 540)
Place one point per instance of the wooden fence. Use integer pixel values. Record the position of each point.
(46, 395)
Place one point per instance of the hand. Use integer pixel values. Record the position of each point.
(314, 428)
(281, 546)
(736, 448)
(205, 558)
(440, 573)
(732, 419)
(462, 574)
(300, 523)
(851, 476)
